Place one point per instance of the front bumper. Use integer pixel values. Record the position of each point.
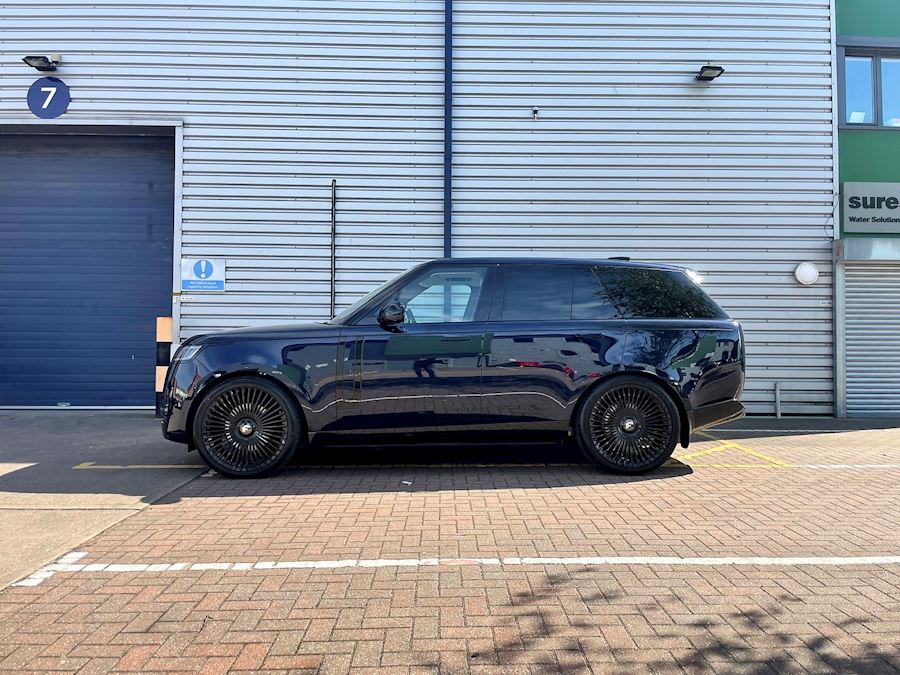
(175, 436)
(183, 382)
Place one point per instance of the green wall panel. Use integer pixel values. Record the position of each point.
(868, 156)
(870, 18)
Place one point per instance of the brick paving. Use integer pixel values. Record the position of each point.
(503, 619)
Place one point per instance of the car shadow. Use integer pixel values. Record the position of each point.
(341, 470)
(110, 459)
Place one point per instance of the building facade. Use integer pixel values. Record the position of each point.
(241, 135)
(868, 251)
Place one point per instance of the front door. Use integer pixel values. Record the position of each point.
(425, 375)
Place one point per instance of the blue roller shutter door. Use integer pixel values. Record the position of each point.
(85, 267)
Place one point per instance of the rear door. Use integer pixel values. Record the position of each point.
(551, 333)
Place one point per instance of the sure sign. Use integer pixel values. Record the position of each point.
(872, 207)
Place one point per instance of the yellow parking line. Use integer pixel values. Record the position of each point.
(743, 448)
(700, 453)
(94, 465)
(736, 466)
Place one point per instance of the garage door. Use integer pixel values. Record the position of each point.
(85, 267)
(873, 339)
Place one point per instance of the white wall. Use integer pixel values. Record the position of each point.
(629, 155)
(276, 99)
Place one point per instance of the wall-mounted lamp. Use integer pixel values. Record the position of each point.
(708, 73)
(45, 64)
(535, 112)
(806, 273)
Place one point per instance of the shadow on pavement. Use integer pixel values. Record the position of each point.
(416, 478)
(113, 459)
(722, 638)
(39, 451)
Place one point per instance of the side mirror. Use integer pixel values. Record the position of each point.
(391, 316)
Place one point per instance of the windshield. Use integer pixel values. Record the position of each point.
(343, 315)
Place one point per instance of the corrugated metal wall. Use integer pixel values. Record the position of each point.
(277, 98)
(628, 155)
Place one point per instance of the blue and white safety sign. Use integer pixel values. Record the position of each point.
(203, 274)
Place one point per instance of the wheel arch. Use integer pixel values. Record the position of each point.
(684, 422)
(252, 374)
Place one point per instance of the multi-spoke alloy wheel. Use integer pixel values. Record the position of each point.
(246, 427)
(628, 425)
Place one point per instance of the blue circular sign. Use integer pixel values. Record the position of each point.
(203, 269)
(48, 97)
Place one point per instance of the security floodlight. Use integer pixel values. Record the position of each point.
(44, 64)
(709, 72)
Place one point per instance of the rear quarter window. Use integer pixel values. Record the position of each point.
(551, 293)
(641, 293)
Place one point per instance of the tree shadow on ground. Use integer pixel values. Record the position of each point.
(546, 624)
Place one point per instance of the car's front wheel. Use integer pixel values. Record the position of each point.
(246, 428)
(628, 425)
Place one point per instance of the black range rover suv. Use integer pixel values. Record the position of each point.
(628, 358)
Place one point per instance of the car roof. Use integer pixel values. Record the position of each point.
(558, 261)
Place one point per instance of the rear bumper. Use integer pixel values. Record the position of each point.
(716, 413)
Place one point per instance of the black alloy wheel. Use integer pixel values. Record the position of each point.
(628, 425)
(246, 428)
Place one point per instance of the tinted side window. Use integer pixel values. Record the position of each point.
(537, 294)
(553, 294)
(657, 294)
(589, 300)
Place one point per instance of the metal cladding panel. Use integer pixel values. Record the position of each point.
(629, 155)
(85, 267)
(872, 335)
(277, 99)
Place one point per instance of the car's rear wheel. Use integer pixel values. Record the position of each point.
(247, 428)
(628, 425)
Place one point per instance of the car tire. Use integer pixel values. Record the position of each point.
(628, 425)
(247, 427)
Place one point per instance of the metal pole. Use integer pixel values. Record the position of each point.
(448, 128)
(778, 400)
(333, 245)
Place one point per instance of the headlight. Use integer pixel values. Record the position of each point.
(187, 353)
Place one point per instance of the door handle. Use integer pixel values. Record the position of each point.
(455, 338)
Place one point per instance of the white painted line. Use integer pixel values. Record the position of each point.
(757, 561)
(39, 577)
(72, 557)
(846, 466)
(795, 431)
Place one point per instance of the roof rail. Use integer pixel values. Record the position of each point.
(620, 257)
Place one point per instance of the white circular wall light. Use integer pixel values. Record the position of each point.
(806, 273)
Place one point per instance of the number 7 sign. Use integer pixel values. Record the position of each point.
(51, 92)
(48, 97)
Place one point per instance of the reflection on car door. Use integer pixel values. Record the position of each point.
(550, 334)
(426, 376)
